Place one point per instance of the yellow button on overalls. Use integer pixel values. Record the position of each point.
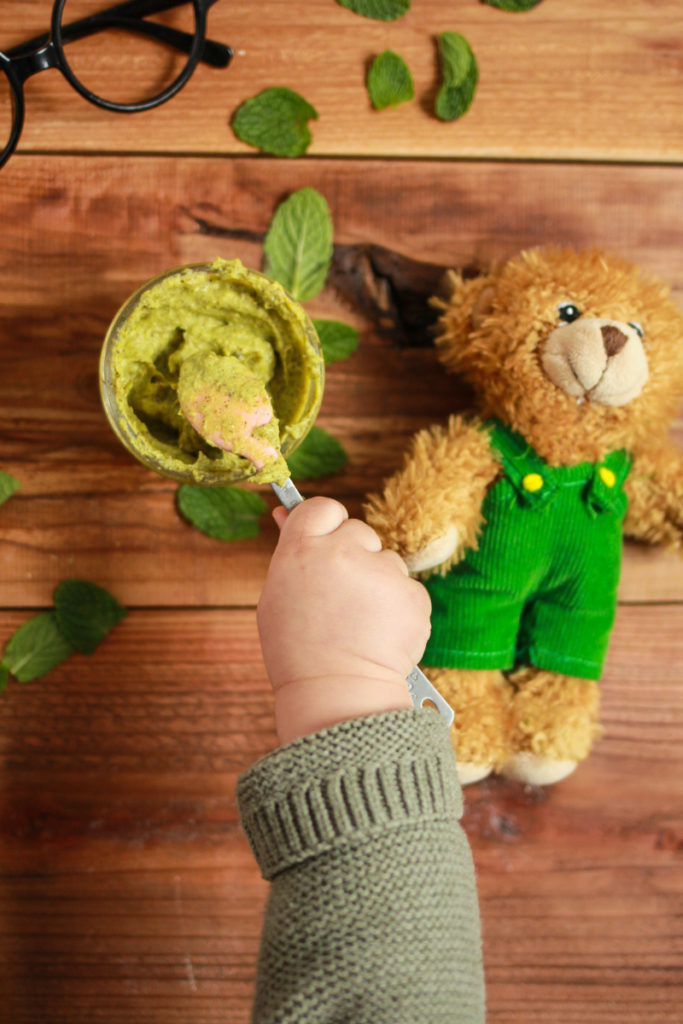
(532, 482)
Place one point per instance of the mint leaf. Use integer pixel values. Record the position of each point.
(298, 245)
(8, 485)
(86, 613)
(389, 81)
(512, 5)
(36, 648)
(459, 74)
(380, 10)
(275, 121)
(83, 615)
(318, 454)
(225, 513)
(337, 340)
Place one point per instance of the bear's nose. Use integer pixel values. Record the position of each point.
(613, 339)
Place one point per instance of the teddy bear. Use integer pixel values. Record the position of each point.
(513, 517)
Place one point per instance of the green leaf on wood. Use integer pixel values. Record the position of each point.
(318, 455)
(337, 340)
(380, 10)
(298, 245)
(8, 485)
(36, 648)
(86, 613)
(4, 677)
(459, 74)
(512, 5)
(275, 121)
(225, 513)
(389, 81)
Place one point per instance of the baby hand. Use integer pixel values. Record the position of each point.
(341, 622)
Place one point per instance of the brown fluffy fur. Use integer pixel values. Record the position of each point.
(492, 330)
(499, 356)
(553, 715)
(446, 469)
(482, 702)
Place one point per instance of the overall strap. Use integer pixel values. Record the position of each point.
(529, 474)
(599, 485)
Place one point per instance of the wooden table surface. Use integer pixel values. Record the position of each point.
(127, 889)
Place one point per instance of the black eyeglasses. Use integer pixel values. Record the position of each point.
(151, 72)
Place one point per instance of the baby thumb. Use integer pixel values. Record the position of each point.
(315, 517)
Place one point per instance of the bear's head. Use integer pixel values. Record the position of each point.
(581, 353)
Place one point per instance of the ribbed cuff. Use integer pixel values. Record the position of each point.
(347, 784)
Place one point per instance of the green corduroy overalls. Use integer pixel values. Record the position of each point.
(542, 587)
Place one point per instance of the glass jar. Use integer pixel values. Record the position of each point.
(153, 322)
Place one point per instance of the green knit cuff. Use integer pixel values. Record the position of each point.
(347, 784)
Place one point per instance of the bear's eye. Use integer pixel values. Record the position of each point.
(638, 328)
(568, 312)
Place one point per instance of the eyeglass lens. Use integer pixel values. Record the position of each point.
(123, 64)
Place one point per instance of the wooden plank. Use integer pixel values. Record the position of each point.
(127, 891)
(105, 225)
(590, 80)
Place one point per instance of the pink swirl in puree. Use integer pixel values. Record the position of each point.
(229, 407)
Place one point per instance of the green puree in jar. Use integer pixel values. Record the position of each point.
(222, 310)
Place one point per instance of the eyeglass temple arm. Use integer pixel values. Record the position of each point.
(215, 54)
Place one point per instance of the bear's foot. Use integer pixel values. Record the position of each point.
(536, 770)
(470, 772)
(554, 721)
(481, 702)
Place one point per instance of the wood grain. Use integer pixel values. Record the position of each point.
(128, 891)
(105, 225)
(590, 80)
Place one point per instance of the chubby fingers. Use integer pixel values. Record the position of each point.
(356, 533)
(393, 558)
(320, 517)
(280, 516)
(315, 517)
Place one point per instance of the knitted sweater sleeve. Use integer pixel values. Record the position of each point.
(372, 915)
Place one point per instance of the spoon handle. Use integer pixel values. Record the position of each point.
(421, 690)
(287, 494)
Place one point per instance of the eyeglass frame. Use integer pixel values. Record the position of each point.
(46, 51)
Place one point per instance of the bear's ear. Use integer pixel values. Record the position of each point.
(464, 307)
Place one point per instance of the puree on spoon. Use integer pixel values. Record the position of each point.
(225, 403)
(234, 329)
